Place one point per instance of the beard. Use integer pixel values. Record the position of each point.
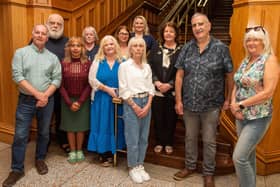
(55, 34)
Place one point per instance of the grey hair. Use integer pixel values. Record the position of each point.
(200, 14)
(57, 15)
(92, 29)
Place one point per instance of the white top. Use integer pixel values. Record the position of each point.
(134, 80)
(94, 83)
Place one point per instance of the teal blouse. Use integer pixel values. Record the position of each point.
(249, 82)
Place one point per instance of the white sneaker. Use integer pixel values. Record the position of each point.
(145, 176)
(135, 175)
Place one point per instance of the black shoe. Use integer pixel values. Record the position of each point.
(13, 177)
(41, 167)
(65, 148)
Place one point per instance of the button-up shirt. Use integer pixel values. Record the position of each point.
(39, 68)
(204, 74)
(134, 80)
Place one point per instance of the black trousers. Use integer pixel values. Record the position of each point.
(164, 116)
(61, 136)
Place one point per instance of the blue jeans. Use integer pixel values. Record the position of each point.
(206, 124)
(136, 133)
(250, 133)
(26, 109)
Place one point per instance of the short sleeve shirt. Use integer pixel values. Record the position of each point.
(248, 82)
(204, 74)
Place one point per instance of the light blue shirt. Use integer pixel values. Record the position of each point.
(40, 68)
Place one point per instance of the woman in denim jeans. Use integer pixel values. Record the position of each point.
(137, 90)
(255, 82)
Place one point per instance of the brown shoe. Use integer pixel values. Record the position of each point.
(182, 174)
(41, 167)
(209, 181)
(13, 177)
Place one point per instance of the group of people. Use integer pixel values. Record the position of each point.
(78, 78)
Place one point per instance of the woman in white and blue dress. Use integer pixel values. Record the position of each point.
(103, 78)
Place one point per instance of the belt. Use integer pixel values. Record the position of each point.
(27, 96)
(140, 95)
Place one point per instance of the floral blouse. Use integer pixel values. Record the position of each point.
(249, 81)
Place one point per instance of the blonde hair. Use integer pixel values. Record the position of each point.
(262, 35)
(146, 27)
(100, 54)
(67, 50)
(91, 29)
(136, 40)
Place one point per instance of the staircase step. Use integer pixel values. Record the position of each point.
(224, 163)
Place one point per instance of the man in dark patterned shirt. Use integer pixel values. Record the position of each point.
(204, 70)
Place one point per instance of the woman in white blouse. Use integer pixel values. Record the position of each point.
(137, 90)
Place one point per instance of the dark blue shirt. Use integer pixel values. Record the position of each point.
(151, 43)
(204, 74)
(91, 54)
(57, 46)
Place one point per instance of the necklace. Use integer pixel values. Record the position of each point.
(167, 52)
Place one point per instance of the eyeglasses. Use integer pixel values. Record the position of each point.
(124, 33)
(256, 28)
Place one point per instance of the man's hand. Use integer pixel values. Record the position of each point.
(226, 105)
(179, 108)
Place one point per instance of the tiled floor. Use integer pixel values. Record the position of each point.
(89, 173)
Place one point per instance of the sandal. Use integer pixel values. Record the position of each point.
(107, 163)
(65, 148)
(158, 149)
(168, 150)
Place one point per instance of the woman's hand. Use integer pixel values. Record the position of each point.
(235, 110)
(164, 87)
(238, 115)
(141, 112)
(111, 91)
(75, 106)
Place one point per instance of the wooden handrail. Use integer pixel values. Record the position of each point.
(200, 4)
(131, 12)
(190, 4)
(173, 12)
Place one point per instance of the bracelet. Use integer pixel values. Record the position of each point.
(130, 102)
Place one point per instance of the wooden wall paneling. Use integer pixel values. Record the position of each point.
(67, 27)
(92, 16)
(112, 9)
(102, 14)
(11, 40)
(77, 4)
(78, 21)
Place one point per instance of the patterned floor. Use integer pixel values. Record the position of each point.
(91, 174)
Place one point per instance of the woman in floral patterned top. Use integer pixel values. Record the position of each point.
(251, 104)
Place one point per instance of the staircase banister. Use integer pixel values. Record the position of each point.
(165, 5)
(186, 13)
(173, 11)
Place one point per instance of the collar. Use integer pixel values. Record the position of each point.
(35, 48)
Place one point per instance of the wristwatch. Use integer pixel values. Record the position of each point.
(241, 106)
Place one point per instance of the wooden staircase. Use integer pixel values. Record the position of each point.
(156, 13)
(220, 18)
